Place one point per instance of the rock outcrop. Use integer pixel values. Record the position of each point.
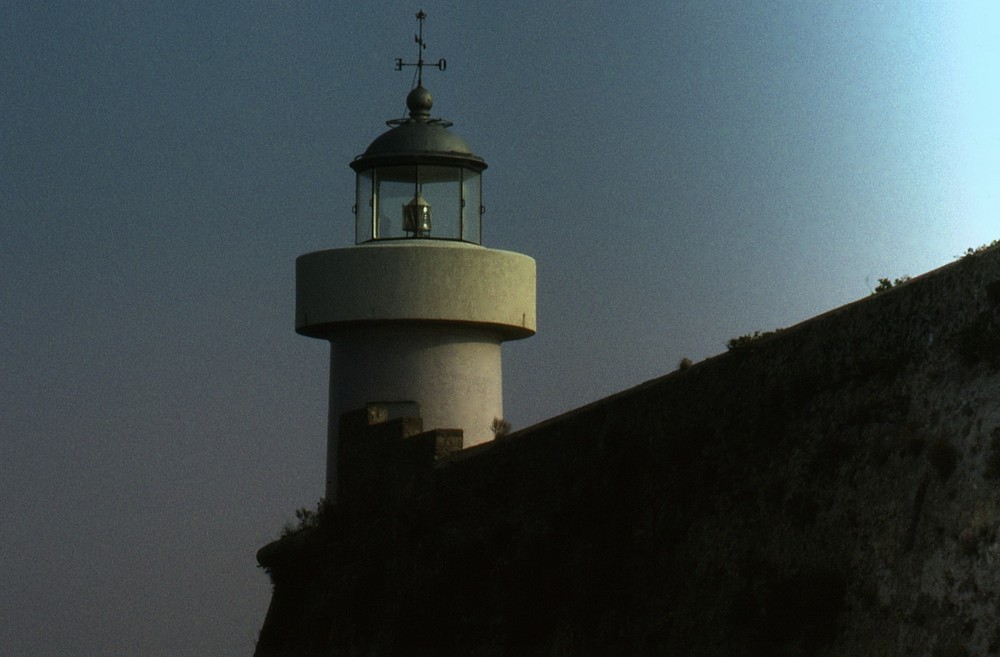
(831, 489)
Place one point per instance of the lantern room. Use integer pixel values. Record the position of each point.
(418, 180)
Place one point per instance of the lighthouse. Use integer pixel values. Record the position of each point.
(416, 311)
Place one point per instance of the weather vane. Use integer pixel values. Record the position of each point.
(419, 38)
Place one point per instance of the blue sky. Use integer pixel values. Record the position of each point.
(683, 173)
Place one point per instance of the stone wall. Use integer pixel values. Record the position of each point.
(832, 489)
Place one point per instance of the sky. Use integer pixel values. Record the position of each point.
(683, 173)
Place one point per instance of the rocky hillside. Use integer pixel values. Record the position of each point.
(831, 489)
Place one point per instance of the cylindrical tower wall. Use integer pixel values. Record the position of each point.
(453, 372)
(416, 321)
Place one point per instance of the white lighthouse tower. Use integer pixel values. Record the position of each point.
(416, 311)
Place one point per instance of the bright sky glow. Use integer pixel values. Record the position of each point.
(975, 58)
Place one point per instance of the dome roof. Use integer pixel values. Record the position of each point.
(418, 139)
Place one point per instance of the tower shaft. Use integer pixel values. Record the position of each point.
(416, 322)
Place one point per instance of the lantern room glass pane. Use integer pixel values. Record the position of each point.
(394, 188)
(442, 187)
(363, 225)
(453, 194)
(472, 204)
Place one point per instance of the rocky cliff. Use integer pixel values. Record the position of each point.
(831, 489)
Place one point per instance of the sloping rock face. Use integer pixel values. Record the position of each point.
(833, 489)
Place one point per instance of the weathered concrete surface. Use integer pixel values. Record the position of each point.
(830, 490)
(417, 320)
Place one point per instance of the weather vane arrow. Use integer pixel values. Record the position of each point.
(421, 46)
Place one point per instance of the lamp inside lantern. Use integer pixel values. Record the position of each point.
(417, 217)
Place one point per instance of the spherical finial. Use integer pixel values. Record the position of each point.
(419, 102)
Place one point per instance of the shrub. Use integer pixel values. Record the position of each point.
(307, 519)
(886, 284)
(750, 338)
(970, 252)
(500, 427)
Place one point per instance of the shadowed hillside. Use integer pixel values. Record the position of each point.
(831, 489)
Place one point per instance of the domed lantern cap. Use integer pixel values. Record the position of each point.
(418, 139)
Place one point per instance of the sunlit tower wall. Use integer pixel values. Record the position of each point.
(416, 311)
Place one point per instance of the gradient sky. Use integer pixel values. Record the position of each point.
(683, 173)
